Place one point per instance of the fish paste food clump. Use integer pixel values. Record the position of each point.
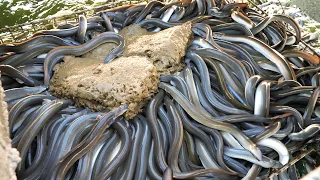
(131, 79)
(164, 49)
(99, 86)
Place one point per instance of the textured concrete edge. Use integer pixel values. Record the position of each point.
(314, 174)
(9, 158)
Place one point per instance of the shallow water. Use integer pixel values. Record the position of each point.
(14, 12)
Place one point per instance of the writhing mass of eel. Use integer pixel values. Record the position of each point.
(245, 104)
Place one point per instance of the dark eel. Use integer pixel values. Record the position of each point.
(67, 32)
(82, 29)
(91, 139)
(56, 54)
(23, 46)
(110, 168)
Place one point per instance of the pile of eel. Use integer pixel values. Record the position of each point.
(244, 107)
